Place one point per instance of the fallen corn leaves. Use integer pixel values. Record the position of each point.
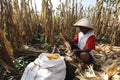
(108, 57)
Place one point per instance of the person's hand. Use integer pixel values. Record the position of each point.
(75, 51)
(69, 41)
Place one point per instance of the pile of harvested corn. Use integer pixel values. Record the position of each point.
(109, 58)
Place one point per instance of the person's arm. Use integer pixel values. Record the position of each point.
(90, 44)
(74, 40)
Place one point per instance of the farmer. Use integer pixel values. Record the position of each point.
(84, 42)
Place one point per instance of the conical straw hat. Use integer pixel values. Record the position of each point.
(84, 22)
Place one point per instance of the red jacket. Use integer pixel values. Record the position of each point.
(90, 43)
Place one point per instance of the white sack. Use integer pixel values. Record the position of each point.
(44, 69)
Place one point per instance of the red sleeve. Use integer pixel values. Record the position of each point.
(75, 40)
(90, 44)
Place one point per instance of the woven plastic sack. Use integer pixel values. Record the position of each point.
(44, 68)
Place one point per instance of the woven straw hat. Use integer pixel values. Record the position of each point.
(84, 22)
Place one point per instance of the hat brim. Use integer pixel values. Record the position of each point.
(84, 27)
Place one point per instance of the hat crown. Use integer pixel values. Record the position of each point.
(85, 22)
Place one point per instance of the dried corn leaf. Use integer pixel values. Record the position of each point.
(112, 70)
